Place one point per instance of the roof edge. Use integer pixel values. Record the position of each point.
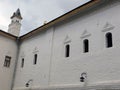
(3, 33)
(61, 18)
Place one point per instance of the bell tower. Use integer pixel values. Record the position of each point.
(15, 25)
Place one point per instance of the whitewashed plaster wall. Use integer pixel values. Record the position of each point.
(101, 64)
(8, 47)
(55, 70)
(39, 73)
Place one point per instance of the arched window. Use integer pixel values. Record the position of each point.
(67, 50)
(17, 21)
(109, 40)
(86, 45)
(35, 59)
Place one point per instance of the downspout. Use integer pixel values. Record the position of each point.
(16, 61)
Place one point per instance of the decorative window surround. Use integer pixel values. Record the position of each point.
(22, 55)
(35, 51)
(108, 27)
(85, 40)
(67, 40)
(85, 34)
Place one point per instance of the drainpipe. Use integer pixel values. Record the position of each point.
(16, 61)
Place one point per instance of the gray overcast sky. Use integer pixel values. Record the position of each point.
(35, 12)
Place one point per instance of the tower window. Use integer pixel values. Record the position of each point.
(67, 50)
(17, 21)
(35, 59)
(109, 40)
(86, 45)
(22, 63)
(7, 61)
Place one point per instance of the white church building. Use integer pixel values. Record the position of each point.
(79, 50)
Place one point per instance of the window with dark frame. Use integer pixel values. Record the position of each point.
(7, 61)
(22, 63)
(35, 59)
(86, 45)
(67, 50)
(109, 40)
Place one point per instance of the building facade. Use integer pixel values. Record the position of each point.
(77, 51)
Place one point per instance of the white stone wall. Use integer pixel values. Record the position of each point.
(55, 70)
(39, 73)
(8, 47)
(101, 64)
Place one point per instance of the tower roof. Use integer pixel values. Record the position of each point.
(17, 14)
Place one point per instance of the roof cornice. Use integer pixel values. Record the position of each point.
(62, 18)
(55, 21)
(3, 33)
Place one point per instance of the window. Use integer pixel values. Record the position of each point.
(67, 50)
(22, 63)
(109, 40)
(86, 45)
(7, 61)
(35, 59)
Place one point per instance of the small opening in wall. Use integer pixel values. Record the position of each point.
(67, 50)
(35, 59)
(86, 45)
(109, 40)
(22, 63)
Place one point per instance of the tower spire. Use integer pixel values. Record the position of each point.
(15, 25)
(17, 14)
